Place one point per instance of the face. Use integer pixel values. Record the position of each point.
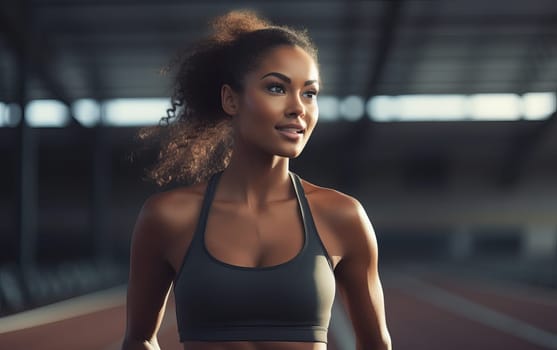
(277, 110)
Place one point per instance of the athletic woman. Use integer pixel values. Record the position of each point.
(252, 252)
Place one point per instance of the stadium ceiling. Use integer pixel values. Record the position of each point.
(100, 49)
(68, 50)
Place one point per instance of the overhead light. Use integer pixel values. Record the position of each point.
(328, 108)
(383, 108)
(46, 114)
(134, 112)
(538, 105)
(495, 107)
(432, 107)
(3, 114)
(87, 112)
(442, 107)
(352, 108)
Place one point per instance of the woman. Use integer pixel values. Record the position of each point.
(253, 252)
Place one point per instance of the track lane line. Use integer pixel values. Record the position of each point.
(65, 309)
(471, 310)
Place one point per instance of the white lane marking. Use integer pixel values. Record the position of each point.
(512, 289)
(534, 295)
(64, 309)
(473, 311)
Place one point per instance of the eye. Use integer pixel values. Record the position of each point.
(276, 88)
(311, 94)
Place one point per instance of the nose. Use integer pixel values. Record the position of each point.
(295, 107)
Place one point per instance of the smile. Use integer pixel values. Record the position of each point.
(291, 133)
(291, 130)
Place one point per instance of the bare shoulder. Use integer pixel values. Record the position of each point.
(169, 213)
(333, 204)
(342, 215)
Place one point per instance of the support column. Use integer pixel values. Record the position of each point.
(27, 193)
(26, 164)
(27, 160)
(101, 191)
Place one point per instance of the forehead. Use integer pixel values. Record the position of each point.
(291, 61)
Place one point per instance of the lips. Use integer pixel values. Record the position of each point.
(292, 132)
(291, 128)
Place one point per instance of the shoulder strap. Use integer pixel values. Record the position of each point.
(197, 239)
(207, 200)
(307, 218)
(304, 206)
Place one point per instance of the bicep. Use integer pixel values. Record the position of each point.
(360, 287)
(150, 278)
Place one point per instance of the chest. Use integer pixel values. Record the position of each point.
(254, 238)
(268, 237)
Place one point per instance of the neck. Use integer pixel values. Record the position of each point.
(255, 179)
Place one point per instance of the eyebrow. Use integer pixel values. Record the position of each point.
(286, 79)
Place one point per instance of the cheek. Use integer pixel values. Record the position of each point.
(263, 107)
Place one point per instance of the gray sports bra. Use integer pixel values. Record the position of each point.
(292, 301)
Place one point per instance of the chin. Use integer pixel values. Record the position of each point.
(290, 153)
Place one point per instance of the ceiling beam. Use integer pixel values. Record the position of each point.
(350, 21)
(511, 28)
(417, 45)
(390, 22)
(357, 140)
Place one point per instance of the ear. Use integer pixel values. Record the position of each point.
(229, 100)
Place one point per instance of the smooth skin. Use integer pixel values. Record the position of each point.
(254, 219)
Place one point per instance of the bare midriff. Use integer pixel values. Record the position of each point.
(254, 345)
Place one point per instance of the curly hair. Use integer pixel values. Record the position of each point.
(195, 138)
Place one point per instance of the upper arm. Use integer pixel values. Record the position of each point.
(150, 276)
(358, 280)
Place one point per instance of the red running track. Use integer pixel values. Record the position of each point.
(430, 311)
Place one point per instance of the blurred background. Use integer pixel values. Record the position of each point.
(439, 116)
